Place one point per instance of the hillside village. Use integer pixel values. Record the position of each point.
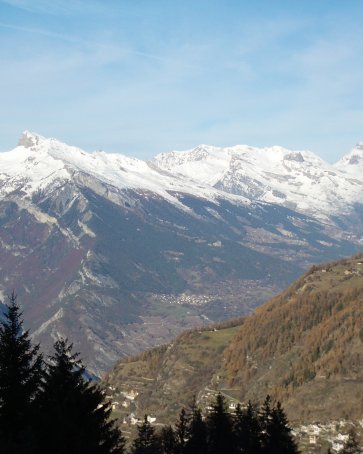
(312, 438)
(325, 300)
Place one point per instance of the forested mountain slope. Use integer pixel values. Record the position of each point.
(304, 347)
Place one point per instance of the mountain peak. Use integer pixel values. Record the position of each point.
(29, 139)
(352, 160)
(294, 156)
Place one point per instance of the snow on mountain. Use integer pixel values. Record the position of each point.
(352, 162)
(296, 179)
(299, 180)
(120, 254)
(38, 163)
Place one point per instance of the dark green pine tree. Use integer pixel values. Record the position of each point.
(197, 433)
(219, 428)
(20, 375)
(265, 417)
(277, 433)
(146, 441)
(351, 446)
(73, 416)
(168, 443)
(181, 432)
(247, 430)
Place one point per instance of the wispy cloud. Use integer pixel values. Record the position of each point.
(40, 31)
(60, 7)
(150, 76)
(118, 51)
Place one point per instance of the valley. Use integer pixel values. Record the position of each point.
(121, 254)
(304, 347)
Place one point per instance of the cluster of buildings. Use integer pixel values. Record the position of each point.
(184, 298)
(333, 435)
(124, 401)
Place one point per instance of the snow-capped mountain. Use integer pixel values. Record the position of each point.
(352, 163)
(296, 179)
(119, 254)
(38, 164)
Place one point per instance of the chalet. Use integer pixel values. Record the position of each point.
(132, 419)
(131, 394)
(115, 404)
(313, 439)
(315, 429)
(343, 438)
(337, 445)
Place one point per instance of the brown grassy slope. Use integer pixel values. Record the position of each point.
(305, 346)
(168, 377)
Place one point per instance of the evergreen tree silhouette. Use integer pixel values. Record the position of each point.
(265, 417)
(197, 432)
(73, 416)
(146, 441)
(168, 443)
(181, 432)
(20, 375)
(277, 437)
(351, 446)
(247, 430)
(219, 428)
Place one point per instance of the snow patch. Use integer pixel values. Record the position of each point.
(57, 316)
(86, 229)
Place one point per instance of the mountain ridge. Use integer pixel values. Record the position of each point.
(217, 168)
(97, 255)
(296, 179)
(114, 169)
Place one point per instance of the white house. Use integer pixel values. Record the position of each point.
(337, 445)
(115, 404)
(131, 394)
(313, 439)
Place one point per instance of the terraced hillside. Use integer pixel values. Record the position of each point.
(304, 347)
(168, 377)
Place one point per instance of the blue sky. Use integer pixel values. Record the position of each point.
(146, 76)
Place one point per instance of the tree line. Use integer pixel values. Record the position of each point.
(248, 431)
(48, 406)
